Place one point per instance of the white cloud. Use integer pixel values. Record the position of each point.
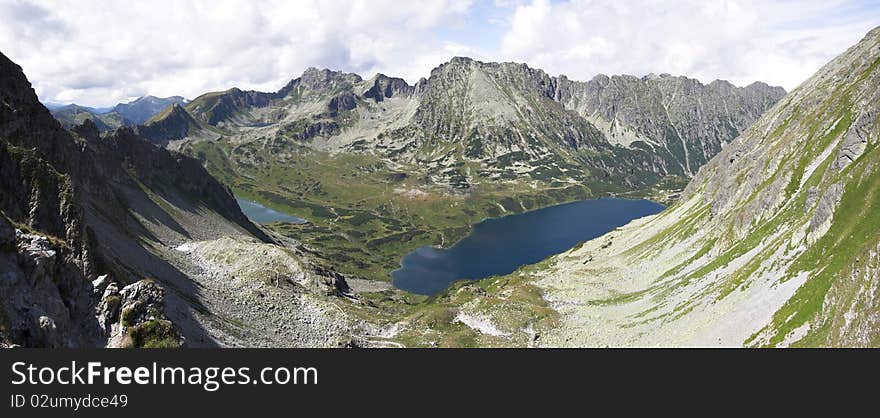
(781, 42)
(102, 52)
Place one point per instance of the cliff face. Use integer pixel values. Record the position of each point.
(676, 116)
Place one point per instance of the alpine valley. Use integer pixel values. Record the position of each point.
(380, 167)
(121, 228)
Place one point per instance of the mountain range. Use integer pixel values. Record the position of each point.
(132, 113)
(501, 120)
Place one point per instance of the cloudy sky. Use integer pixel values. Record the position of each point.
(99, 53)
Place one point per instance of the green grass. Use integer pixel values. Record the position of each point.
(853, 233)
(154, 334)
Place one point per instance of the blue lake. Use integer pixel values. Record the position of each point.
(263, 215)
(500, 246)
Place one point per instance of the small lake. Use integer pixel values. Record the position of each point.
(500, 246)
(263, 215)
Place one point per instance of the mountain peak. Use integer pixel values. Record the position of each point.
(174, 122)
(319, 80)
(462, 60)
(383, 87)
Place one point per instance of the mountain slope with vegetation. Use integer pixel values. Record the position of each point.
(775, 242)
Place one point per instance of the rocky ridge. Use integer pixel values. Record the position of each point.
(472, 120)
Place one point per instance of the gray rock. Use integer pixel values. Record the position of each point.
(827, 204)
(125, 313)
(855, 140)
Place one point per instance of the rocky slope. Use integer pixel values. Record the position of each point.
(133, 113)
(774, 243)
(91, 229)
(171, 123)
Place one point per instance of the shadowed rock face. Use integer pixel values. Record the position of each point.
(385, 87)
(80, 206)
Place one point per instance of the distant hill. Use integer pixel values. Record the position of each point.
(132, 113)
(141, 110)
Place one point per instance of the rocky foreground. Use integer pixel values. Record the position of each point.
(108, 240)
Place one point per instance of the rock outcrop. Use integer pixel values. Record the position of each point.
(134, 317)
(46, 299)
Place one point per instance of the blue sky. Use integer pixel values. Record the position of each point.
(99, 53)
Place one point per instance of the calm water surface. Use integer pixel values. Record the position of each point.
(263, 215)
(500, 246)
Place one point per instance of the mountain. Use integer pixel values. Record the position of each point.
(144, 108)
(634, 130)
(133, 113)
(72, 115)
(677, 116)
(108, 240)
(95, 110)
(774, 242)
(171, 123)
